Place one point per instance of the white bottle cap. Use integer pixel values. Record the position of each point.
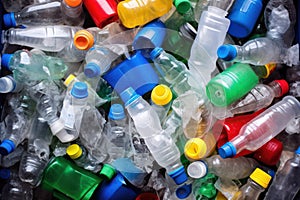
(197, 169)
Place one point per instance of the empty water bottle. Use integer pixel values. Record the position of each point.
(14, 6)
(9, 84)
(72, 12)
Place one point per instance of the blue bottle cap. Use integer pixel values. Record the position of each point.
(271, 172)
(116, 189)
(135, 72)
(155, 52)
(79, 90)
(227, 150)
(129, 95)
(92, 70)
(5, 60)
(5, 174)
(184, 191)
(227, 52)
(116, 112)
(6, 147)
(179, 175)
(298, 150)
(9, 20)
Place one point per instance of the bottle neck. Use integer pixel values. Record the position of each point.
(275, 87)
(251, 189)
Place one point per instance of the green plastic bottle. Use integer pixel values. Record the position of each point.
(231, 84)
(66, 180)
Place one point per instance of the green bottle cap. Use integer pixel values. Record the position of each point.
(108, 171)
(208, 190)
(231, 84)
(182, 6)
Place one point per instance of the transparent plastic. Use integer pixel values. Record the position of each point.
(14, 6)
(72, 15)
(212, 29)
(15, 189)
(250, 191)
(9, 84)
(12, 158)
(46, 38)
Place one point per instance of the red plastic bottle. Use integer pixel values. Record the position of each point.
(103, 12)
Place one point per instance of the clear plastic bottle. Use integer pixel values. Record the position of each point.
(12, 158)
(36, 14)
(212, 29)
(34, 161)
(134, 13)
(261, 96)
(16, 130)
(256, 184)
(161, 145)
(72, 12)
(230, 168)
(82, 158)
(263, 127)
(9, 84)
(15, 6)
(286, 184)
(118, 132)
(258, 51)
(74, 104)
(47, 38)
(30, 66)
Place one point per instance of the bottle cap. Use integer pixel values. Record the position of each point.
(5, 60)
(73, 3)
(116, 112)
(83, 40)
(69, 80)
(147, 196)
(270, 67)
(74, 151)
(178, 175)
(108, 171)
(227, 52)
(208, 190)
(129, 95)
(79, 90)
(161, 95)
(284, 85)
(6, 147)
(260, 177)
(227, 150)
(182, 6)
(92, 70)
(5, 174)
(9, 20)
(195, 148)
(183, 191)
(197, 169)
(297, 151)
(155, 52)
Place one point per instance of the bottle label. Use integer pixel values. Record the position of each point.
(70, 118)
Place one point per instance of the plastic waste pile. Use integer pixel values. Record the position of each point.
(150, 100)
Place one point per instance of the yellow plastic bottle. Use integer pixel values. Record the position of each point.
(134, 13)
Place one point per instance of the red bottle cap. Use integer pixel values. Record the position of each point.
(147, 196)
(283, 85)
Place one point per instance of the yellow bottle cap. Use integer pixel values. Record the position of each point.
(73, 3)
(83, 40)
(270, 67)
(260, 177)
(69, 80)
(74, 151)
(161, 95)
(195, 148)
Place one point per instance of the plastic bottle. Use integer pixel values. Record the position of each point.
(263, 127)
(16, 6)
(82, 158)
(74, 104)
(12, 158)
(147, 124)
(36, 14)
(46, 38)
(161, 97)
(9, 84)
(204, 188)
(261, 96)
(134, 13)
(30, 66)
(72, 12)
(16, 131)
(118, 132)
(230, 168)
(256, 184)
(255, 52)
(34, 161)
(212, 29)
(286, 184)
(231, 84)
(103, 12)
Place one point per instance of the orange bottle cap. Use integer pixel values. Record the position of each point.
(73, 3)
(83, 40)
